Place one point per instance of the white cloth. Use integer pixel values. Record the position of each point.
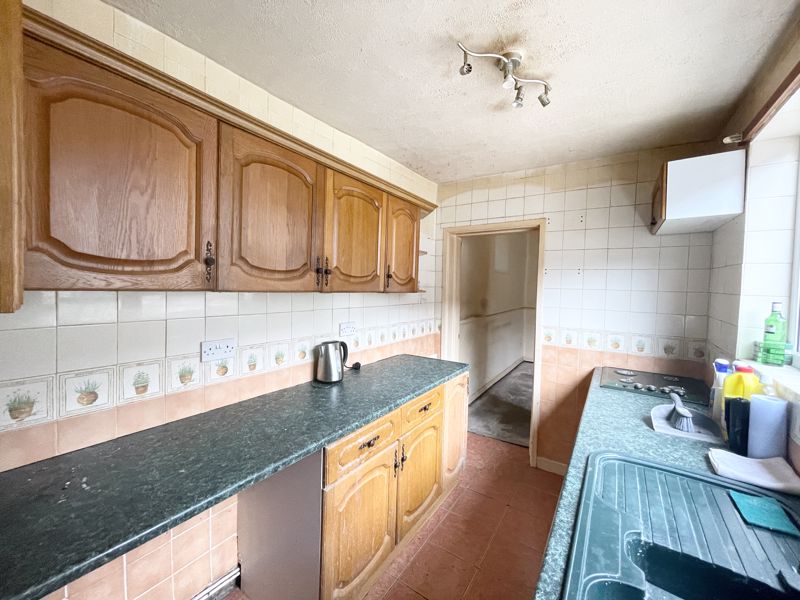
(770, 473)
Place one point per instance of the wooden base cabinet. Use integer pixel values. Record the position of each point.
(454, 452)
(359, 526)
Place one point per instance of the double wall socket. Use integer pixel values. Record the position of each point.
(347, 328)
(217, 349)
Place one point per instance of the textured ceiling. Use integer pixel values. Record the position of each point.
(626, 74)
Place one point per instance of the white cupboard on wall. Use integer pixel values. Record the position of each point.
(698, 194)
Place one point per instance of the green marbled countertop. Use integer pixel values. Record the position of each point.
(617, 421)
(63, 517)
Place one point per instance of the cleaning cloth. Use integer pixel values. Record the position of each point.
(771, 473)
(765, 512)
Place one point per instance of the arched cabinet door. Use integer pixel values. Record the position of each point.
(121, 181)
(402, 246)
(355, 215)
(268, 215)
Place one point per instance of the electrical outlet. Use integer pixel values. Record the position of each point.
(347, 328)
(217, 349)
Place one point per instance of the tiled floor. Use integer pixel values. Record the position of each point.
(486, 541)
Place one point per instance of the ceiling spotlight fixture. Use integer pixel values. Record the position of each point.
(520, 97)
(508, 63)
(466, 68)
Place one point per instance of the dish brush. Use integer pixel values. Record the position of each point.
(680, 417)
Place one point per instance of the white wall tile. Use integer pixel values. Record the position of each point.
(184, 336)
(220, 304)
(676, 257)
(141, 306)
(252, 303)
(220, 328)
(598, 197)
(252, 329)
(29, 352)
(182, 305)
(83, 308)
(279, 326)
(38, 310)
(773, 180)
(86, 346)
(141, 340)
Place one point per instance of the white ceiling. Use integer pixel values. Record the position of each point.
(626, 74)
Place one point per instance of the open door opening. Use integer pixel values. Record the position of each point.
(492, 282)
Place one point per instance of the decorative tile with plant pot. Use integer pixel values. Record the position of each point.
(616, 342)
(354, 342)
(592, 340)
(669, 348)
(641, 344)
(370, 338)
(404, 331)
(86, 391)
(383, 336)
(141, 380)
(26, 402)
(303, 350)
(569, 338)
(550, 336)
(252, 359)
(184, 372)
(394, 335)
(414, 329)
(218, 370)
(696, 350)
(279, 355)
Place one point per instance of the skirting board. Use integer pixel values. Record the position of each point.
(474, 395)
(545, 464)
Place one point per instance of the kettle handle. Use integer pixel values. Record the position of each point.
(343, 348)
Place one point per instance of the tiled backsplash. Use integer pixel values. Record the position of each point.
(609, 285)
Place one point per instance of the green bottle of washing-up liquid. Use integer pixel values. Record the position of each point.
(773, 349)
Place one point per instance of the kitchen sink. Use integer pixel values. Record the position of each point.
(647, 531)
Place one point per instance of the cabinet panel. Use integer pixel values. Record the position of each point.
(269, 215)
(355, 216)
(402, 246)
(454, 447)
(359, 520)
(122, 181)
(420, 476)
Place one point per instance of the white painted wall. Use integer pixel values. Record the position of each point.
(498, 299)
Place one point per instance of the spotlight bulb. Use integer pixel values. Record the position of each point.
(519, 98)
(544, 99)
(465, 69)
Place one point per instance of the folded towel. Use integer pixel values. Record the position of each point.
(770, 473)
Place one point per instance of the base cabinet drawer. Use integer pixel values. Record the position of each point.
(420, 408)
(351, 451)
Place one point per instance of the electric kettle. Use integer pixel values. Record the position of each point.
(331, 358)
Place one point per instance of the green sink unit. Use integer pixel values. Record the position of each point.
(650, 531)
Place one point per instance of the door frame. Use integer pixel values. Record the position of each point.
(451, 318)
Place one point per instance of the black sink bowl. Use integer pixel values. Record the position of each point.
(611, 589)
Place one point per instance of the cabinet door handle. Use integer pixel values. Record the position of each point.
(403, 457)
(370, 443)
(318, 271)
(209, 260)
(388, 275)
(396, 463)
(425, 408)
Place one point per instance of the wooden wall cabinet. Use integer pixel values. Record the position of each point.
(402, 246)
(355, 218)
(270, 215)
(456, 413)
(122, 181)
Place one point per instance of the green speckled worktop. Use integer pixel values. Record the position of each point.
(63, 517)
(617, 421)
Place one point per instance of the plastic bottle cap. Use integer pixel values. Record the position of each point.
(744, 369)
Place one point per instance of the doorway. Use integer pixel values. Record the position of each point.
(492, 282)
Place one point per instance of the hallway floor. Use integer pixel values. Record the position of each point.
(503, 411)
(486, 541)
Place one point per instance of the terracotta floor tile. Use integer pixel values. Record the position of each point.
(400, 591)
(534, 501)
(513, 563)
(549, 482)
(453, 496)
(437, 574)
(467, 536)
(524, 528)
(384, 583)
(479, 506)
